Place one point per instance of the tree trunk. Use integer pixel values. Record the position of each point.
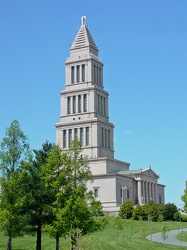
(74, 241)
(9, 244)
(39, 237)
(57, 243)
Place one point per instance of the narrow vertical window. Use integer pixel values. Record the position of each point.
(106, 145)
(95, 73)
(70, 137)
(78, 73)
(74, 104)
(64, 138)
(98, 103)
(83, 72)
(69, 105)
(85, 103)
(108, 138)
(102, 137)
(79, 103)
(104, 105)
(76, 134)
(72, 74)
(96, 192)
(81, 136)
(101, 105)
(128, 195)
(87, 136)
(100, 76)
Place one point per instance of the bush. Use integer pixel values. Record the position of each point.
(138, 213)
(168, 211)
(184, 217)
(126, 210)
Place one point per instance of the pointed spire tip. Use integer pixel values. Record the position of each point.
(83, 20)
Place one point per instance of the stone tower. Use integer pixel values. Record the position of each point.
(84, 102)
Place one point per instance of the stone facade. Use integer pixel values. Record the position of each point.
(84, 115)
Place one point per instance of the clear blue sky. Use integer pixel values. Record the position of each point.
(143, 47)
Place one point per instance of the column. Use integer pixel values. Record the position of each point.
(139, 192)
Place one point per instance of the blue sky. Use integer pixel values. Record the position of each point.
(143, 47)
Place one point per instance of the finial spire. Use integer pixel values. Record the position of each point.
(83, 20)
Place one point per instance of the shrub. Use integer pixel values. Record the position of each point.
(126, 210)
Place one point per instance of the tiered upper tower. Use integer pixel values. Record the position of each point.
(84, 102)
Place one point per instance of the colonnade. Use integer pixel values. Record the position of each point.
(147, 191)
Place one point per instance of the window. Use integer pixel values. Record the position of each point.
(76, 133)
(78, 73)
(79, 103)
(121, 193)
(128, 194)
(85, 102)
(74, 104)
(101, 105)
(87, 136)
(64, 138)
(97, 74)
(83, 72)
(100, 76)
(69, 105)
(96, 192)
(70, 137)
(81, 136)
(98, 103)
(160, 199)
(94, 73)
(104, 105)
(72, 74)
(108, 138)
(102, 137)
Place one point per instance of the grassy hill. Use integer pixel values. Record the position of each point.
(131, 237)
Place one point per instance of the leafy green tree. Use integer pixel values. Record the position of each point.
(78, 212)
(151, 210)
(118, 225)
(168, 211)
(184, 198)
(14, 152)
(126, 210)
(36, 196)
(55, 179)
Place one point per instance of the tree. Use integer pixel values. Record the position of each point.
(36, 196)
(55, 177)
(78, 213)
(126, 210)
(168, 211)
(184, 198)
(14, 152)
(118, 225)
(138, 212)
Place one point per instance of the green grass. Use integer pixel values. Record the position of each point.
(129, 239)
